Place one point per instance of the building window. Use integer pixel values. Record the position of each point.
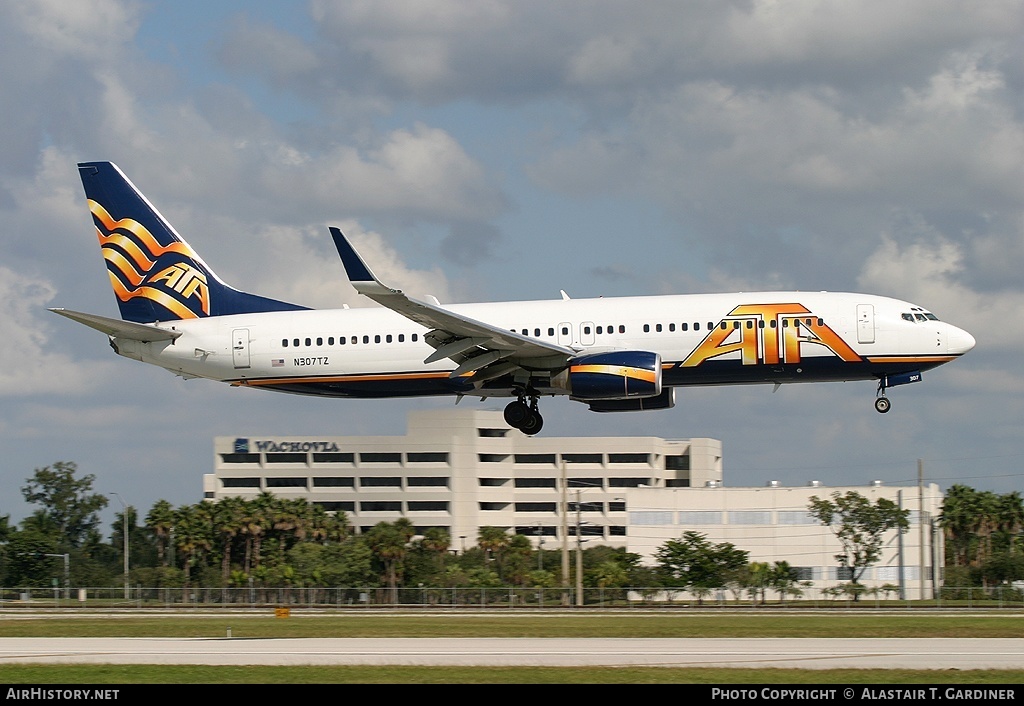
(333, 457)
(535, 458)
(582, 458)
(300, 458)
(796, 517)
(334, 482)
(586, 507)
(333, 506)
(380, 482)
(427, 457)
(380, 458)
(240, 482)
(495, 433)
(677, 463)
(629, 458)
(240, 458)
(585, 483)
(536, 507)
(535, 483)
(427, 506)
(381, 506)
(750, 517)
(650, 517)
(286, 482)
(535, 531)
(427, 482)
(700, 517)
(627, 482)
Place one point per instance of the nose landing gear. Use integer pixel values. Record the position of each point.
(524, 416)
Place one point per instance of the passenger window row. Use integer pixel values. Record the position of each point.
(308, 341)
(736, 323)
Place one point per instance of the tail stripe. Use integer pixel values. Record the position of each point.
(129, 237)
(170, 303)
(155, 274)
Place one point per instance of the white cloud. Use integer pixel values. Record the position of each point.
(29, 364)
(84, 29)
(928, 272)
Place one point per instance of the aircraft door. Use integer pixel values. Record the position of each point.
(240, 347)
(565, 334)
(587, 337)
(865, 323)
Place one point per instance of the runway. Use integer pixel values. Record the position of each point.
(799, 653)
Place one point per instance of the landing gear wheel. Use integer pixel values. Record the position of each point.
(524, 417)
(516, 414)
(532, 424)
(882, 405)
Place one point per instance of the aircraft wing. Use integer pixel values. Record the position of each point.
(478, 347)
(119, 328)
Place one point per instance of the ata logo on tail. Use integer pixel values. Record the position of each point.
(769, 334)
(132, 253)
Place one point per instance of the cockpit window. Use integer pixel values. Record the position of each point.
(919, 315)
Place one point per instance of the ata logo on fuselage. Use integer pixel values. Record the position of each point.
(769, 334)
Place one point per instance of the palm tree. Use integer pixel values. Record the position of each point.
(227, 518)
(1011, 518)
(388, 542)
(437, 541)
(257, 522)
(160, 521)
(192, 535)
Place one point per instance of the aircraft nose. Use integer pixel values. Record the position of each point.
(959, 341)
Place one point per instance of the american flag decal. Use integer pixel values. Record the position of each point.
(277, 363)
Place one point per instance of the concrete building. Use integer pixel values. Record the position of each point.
(461, 469)
(773, 524)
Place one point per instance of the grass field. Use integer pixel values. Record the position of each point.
(249, 625)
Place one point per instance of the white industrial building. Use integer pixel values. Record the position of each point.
(461, 469)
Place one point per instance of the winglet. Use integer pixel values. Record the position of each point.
(359, 273)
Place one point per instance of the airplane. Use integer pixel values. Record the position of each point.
(614, 354)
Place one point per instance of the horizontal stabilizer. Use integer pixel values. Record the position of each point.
(120, 329)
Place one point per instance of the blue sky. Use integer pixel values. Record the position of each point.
(496, 150)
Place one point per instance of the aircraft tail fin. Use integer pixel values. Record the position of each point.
(155, 274)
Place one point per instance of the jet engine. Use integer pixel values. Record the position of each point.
(615, 375)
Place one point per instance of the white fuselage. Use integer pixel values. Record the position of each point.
(703, 339)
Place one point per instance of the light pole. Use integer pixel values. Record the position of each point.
(579, 554)
(124, 517)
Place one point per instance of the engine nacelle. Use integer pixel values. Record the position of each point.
(665, 400)
(615, 375)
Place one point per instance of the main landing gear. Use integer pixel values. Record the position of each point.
(524, 416)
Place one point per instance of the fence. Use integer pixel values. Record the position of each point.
(514, 598)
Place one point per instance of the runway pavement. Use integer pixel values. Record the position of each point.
(800, 653)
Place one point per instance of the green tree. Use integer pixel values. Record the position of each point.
(389, 544)
(693, 562)
(160, 521)
(783, 578)
(860, 526)
(193, 536)
(68, 507)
